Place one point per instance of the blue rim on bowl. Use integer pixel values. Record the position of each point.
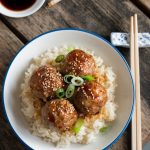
(92, 33)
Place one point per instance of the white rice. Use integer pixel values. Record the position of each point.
(91, 128)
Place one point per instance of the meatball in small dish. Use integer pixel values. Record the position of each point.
(89, 98)
(78, 63)
(60, 112)
(45, 81)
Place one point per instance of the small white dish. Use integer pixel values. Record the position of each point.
(111, 56)
(23, 13)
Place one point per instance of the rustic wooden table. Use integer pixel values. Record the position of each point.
(100, 16)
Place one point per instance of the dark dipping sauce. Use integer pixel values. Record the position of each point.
(17, 5)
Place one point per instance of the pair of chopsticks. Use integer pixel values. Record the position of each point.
(134, 59)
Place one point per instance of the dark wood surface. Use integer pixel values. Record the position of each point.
(100, 16)
(143, 5)
(9, 44)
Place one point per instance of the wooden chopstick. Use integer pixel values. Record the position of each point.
(137, 85)
(134, 58)
(53, 2)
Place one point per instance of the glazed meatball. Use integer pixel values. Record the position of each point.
(60, 112)
(89, 98)
(45, 81)
(78, 63)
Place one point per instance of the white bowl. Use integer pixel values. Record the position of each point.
(18, 14)
(111, 56)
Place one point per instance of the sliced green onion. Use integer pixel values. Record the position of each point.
(104, 129)
(77, 81)
(60, 58)
(68, 78)
(69, 49)
(76, 128)
(88, 77)
(70, 91)
(60, 93)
